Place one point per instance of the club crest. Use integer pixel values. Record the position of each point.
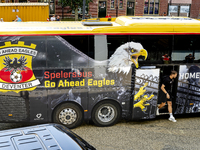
(16, 67)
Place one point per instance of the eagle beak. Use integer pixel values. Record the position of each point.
(144, 53)
(134, 57)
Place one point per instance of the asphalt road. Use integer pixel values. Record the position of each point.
(157, 134)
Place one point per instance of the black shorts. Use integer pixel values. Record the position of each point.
(163, 97)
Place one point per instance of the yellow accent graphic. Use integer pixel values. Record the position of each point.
(142, 52)
(16, 67)
(143, 99)
(140, 92)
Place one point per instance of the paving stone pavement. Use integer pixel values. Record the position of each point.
(157, 134)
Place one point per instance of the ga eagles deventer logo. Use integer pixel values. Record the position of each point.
(16, 67)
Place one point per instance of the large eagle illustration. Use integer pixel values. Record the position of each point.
(15, 64)
(124, 56)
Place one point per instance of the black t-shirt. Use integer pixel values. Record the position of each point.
(167, 81)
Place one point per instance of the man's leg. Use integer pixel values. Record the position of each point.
(160, 106)
(171, 118)
(169, 103)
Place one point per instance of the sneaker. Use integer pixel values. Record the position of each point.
(157, 112)
(172, 119)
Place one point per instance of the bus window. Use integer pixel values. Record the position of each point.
(59, 55)
(185, 45)
(91, 46)
(62, 54)
(114, 41)
(40, 59)
(83, 43)
(156, 45)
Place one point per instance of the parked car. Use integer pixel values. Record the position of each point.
(42, 137)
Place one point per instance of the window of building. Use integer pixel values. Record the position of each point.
(151, 7)
(112, 4)
(43, 1)
(22, 1)
(52, 7)
(179, 10)
(80, 11)
(120, 3)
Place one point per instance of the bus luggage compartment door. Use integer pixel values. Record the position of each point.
(14, 106)
(145, 93)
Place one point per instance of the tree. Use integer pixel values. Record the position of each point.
(74, 5)
(63, 4)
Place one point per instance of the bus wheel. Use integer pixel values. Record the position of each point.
(106, 113)
(68, 114)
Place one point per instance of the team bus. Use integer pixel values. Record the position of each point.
(70, 72)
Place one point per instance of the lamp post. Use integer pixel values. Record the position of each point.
(83, 17)
(117, 8)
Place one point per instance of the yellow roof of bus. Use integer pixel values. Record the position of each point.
(121, 25)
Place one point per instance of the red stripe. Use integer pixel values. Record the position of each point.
(102, 34)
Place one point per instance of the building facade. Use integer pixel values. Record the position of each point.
(189, 8)
(101, 8)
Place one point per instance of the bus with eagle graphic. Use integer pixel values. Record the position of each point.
(101, 71)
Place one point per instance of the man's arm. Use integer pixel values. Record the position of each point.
(163, 89)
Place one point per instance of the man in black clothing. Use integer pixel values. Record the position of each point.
(166, 94)
(189, 58)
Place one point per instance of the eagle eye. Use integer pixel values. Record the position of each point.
(133, 50)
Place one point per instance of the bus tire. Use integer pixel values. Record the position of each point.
(69, 115)
(106, 113)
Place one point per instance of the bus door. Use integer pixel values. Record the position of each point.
(165, 70)
(145, 93)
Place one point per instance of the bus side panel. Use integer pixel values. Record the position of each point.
(65, 85)
(59, 96)
(105, 85)
(188, 95)
(38, 105)
(38, 99)
(146, 93)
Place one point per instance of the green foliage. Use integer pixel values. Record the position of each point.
(73, 3)
(63, 3)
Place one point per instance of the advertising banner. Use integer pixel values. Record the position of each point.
(52, 70)
(188, 92)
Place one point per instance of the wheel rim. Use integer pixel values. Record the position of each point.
(67, 116)
(106, 113)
